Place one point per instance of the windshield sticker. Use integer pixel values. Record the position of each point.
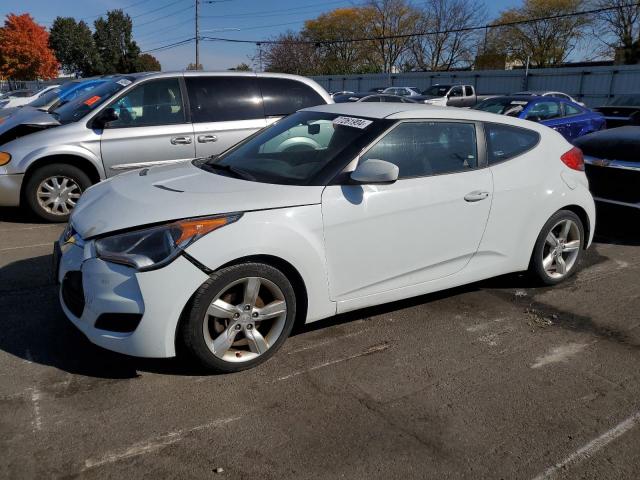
(90, 101)
(519, 102)
(124, 82)
(360, 123)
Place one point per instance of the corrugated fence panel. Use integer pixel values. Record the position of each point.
(592, 85)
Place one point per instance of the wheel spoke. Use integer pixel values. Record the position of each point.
(223, 342)
(274, 309)
(566, 227)
(251, 290)
(571, 246)
(547, 262)
(552, 240)
(561, 266)
(221, 309)
(257, 343)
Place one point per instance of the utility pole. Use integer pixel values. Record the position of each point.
(197, 34)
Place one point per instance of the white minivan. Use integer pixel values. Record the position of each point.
(139, 120)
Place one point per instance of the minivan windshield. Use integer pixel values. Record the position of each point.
(295, 149)
(80, 106)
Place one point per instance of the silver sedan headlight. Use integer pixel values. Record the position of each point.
(154, 247)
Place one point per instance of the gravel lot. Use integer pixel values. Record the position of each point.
(492, 380)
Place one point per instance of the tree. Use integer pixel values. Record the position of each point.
(619, 29)
(118, 51)
(451, 45)
(148, 63)
(330, 31)
(384, 18)
(24, 50)
(74, 47)
(291, 54)
(243, 67)
(193, 66)
(546, 42)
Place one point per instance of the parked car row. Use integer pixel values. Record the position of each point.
(49, 157)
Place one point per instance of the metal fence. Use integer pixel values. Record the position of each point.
(6, 85)
(593, 85)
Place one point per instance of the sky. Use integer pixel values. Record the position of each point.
(161, 22)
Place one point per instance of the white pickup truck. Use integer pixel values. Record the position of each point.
(450, 95)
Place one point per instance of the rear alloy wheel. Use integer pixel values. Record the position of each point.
(559, 248)
(240, 317)
(53, 191)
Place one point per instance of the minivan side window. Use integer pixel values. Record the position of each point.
(505, 142)
(422, 149)
(157, 102)
(224, 99)
(283, 96)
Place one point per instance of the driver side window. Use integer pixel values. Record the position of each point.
(544, 111)
(158, 102)
(456, 92)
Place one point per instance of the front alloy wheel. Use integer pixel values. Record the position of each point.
(240, 317)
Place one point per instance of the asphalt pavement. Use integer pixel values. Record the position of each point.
(497, 379)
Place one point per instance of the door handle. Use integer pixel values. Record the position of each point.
(476, 196)
(207, 138)
(180, 140)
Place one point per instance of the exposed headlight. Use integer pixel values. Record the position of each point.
(155, 247)
(5, 158)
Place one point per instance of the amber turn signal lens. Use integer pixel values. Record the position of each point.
(192, 228)
(4, 158)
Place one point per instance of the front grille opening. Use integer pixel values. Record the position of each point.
(118, 322)
(73, 293)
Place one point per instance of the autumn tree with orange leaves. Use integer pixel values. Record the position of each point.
(24, 50)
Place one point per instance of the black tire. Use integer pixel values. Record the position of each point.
(191, 330)
(53, 170)
(536, 268)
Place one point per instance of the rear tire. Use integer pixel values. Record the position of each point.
(239, 317)
(558, 249)
(53, 190)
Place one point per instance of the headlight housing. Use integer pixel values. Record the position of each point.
(155, 247)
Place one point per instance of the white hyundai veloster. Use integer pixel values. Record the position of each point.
(331, 209)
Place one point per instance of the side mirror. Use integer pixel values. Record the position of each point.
(534, 118)
(375, 172)
(107, 115)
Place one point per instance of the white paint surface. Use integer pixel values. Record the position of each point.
(559, 354)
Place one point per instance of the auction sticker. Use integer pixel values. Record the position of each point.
(360, 123)
(124, 82)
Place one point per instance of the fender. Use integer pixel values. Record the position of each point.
(293, 234)
(78, 151)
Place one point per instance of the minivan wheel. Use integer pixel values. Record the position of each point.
(53, 190)
(558, 249)
(239, 317)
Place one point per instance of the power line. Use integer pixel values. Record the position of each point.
(275, 12)
(419, 34)
(171, 45)
(156, 9)
(163, 17)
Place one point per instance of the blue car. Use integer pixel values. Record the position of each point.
(568, 118)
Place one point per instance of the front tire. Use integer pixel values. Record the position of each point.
(239, 317)
(558, 249)
(53, 190)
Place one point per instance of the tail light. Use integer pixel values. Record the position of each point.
(573, 159)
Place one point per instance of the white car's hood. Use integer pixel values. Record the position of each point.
(160, 194)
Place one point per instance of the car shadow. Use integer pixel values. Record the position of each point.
(617, 225)
(18, 215)
(35, 329)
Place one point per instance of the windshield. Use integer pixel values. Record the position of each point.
(80, 106)
(437, 90)
(49, 97)
(626, 100)
(503, 106)
(296, 148)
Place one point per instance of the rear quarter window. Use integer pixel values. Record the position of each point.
(223, 99)
(505, 142)
(283, 96)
